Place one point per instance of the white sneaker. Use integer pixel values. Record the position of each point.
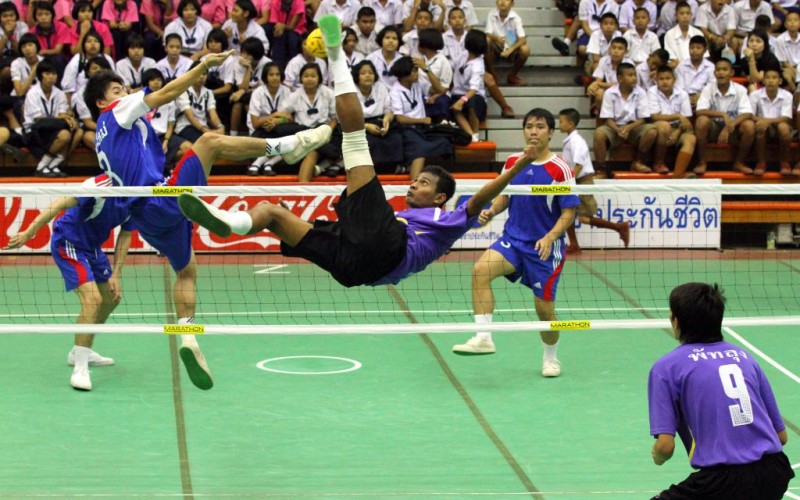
(80, 380)
(208, 216)
(308, 141)
(551, 368)
(475, 346)
(94, 359)
(196, 366)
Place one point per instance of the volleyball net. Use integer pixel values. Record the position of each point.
(743, 237)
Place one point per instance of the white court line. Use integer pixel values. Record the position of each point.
(341, 312)
(766, 358)
(791, 495)
(796, 466)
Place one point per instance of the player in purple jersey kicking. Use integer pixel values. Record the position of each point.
(369, 244)
(76, 247)
(130, 153)
(532, 245)
(719, 401)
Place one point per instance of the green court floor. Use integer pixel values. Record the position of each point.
(397, 417)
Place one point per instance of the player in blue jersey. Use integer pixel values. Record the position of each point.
(369, 244)
(532, 245)
(76, 247)
(719, 401)
(130, 153)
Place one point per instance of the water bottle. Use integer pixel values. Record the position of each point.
(771, 240)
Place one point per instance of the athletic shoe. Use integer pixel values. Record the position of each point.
(253, 170)
(474, 347)
(551, 368)
(331, 30)
(208, 216)
(94, 359)
(309, 140)
(196, 366)
(80, 380)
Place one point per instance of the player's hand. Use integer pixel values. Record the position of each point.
(485, 216)
(115, 287)
(212, 60)
(18, 240)
(544, 246)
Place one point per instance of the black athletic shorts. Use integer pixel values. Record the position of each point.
(766, 479)
(363, 246)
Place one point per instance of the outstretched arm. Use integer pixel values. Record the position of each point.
(493, 188)
(178, 86)
(43, 218)
(120, 253)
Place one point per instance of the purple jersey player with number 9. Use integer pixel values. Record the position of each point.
(719, 401)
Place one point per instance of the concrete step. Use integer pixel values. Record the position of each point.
(531, 16)
(521, 105)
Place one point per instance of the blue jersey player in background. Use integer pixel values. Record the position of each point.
(76, 246)
(532, 246)
(130, 153)
(369, 244)
(717, 398)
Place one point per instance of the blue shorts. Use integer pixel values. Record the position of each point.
(160, 221)
(583, 40)
(539, 275)
(79, 266)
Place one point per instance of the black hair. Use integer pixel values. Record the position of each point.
(402, 67)
(665, 69)
(431, 39)
(623, 66)
(762, 22)
(217, 35)
(96, 89)
(609, 15)
(540, 114)
(254, 47)
(382, 33)
(9, 7)
(698, 40)
(662, 54)
(446, 183)
(699, 308)
(792, 10)
(99, 60)
(763, 35)
(172, 36)
(45, 66)
(150, 75)
(247, 6)
(44, 6)
(313, 66)
(681, 5)
(475, 42)
(723, 59)
(619, 40)
(29, 38)
(184, 3)
(79, 6)
(365, 12)
(92, 33)
(135, 41)
(455, 9)
(423, 11)
(641, 9)
(269, 66)
(357, 70)
(347, 32)
(571, 114)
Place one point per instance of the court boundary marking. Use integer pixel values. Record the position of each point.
(533, 491)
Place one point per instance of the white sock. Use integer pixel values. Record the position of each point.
(342, 77)
(550, 351)
(187, 339)
(44, 162)
(270, 162)
(240, 222)
(567, 40)
(259, 162)
(81, 357)
(280, 145)
(484, 319)
(355, 149)
(18, 130)
(475, 138)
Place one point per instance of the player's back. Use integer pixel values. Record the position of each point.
(128, 149)
(725, 399)
(531, 217)
(88, 224)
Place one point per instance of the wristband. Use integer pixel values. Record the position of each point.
(464, 99)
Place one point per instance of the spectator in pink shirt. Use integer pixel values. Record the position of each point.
(213, 11)
(287, 22)
(122, 17)
(83, 14)
(64, 12)
(52, 35)
(155, 15)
